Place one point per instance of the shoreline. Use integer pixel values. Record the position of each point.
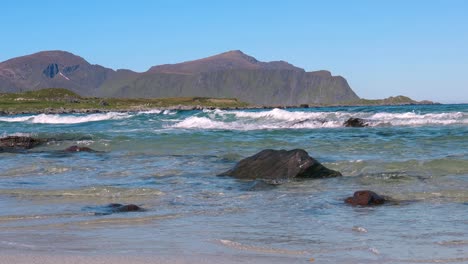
(59, 258)
(62, 101)
(61, 110)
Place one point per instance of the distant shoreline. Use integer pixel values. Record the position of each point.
(174, 108)
(62, 101)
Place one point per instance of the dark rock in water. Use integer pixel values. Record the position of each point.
(120, 208)
(115, 208)
(15, 143)
(355, 122)
(278, 165)
(365, 198)
(79, 149)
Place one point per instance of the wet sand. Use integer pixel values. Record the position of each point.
(121, 259)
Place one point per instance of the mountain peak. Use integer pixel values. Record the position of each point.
(234, 52)
(229, 74)
(54, 53)
(235, 55)
(53, 68)
(48, 57)
(229, 60)
(234, 59)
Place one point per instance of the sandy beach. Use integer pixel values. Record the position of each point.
(120, 259)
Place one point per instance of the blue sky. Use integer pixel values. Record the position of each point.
(383, 48)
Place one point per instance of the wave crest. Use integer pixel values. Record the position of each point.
(66, 119)
(284, 119)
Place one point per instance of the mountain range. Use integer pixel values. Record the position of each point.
(231, 74)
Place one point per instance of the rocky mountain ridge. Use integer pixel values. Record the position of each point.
(231, 74)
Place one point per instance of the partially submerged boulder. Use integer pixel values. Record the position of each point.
(79, 149)
(17, 143)
(278, 165)
(355, 122)
(121, 208)
(116, 208)
(365, 198)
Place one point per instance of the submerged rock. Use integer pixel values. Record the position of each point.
(79, 149)
(15, 143)
(355, 122)
(365, 198)
(115, 208)
(120, 208)
(278, 165)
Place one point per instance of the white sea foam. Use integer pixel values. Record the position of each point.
(414, 119)
(17, 134)
(157, 112)
(284, 119)
(202, 123)
(66, 119)
(17, 245)
(194, 122)
(15, 119)
(255, 120)
(149, 112)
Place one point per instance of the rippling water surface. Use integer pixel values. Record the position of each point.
(167, 162)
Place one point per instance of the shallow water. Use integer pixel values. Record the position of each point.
(167, 162)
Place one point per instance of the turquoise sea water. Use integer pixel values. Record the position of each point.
(167, 162)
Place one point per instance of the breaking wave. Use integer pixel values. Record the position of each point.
(255, 119)
(284, 119)
(157, 112)
(66, 119)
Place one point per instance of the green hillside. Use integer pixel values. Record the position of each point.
(62, 100)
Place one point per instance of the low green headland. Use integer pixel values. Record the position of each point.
(392, 100)
(57, 100)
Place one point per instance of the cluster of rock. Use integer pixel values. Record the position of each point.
(17, 143)
(24, 143)
(270, 166)
(276, 166)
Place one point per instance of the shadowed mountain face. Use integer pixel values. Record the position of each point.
(52, 69)
(231, 74)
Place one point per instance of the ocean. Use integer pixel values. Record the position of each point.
(167, 161)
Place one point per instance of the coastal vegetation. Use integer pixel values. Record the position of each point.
(59, 100)
(62, 100)
(392, 100)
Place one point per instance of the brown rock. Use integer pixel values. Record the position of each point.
(274, 165)
(12, 143)
(365, 198)
(355, 122)
(120, 208)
